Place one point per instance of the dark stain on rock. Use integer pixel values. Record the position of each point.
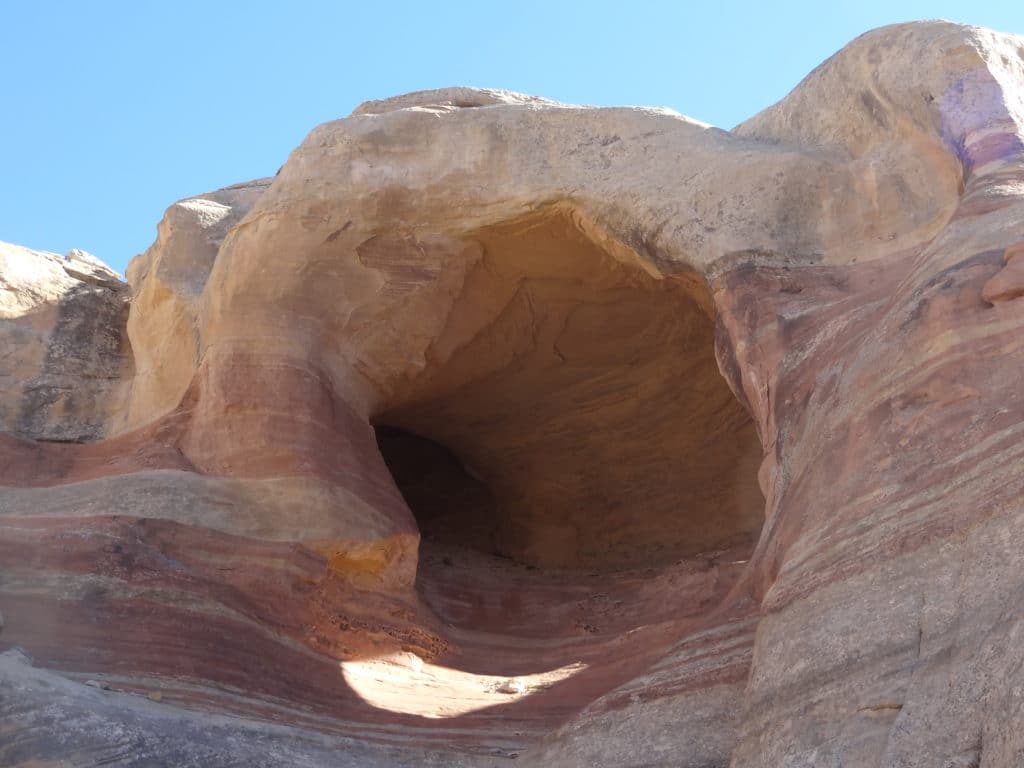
(86, 352)
(875, 108)
(337, 233)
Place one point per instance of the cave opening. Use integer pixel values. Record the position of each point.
(571, 428)
(451, 506)
(580, 473)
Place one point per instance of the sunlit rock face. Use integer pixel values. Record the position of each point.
(493, 428)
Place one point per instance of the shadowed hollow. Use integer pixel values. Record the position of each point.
(585, 425)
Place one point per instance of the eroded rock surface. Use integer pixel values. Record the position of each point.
(65, 353)
(498, 428)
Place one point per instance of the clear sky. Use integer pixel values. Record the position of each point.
(113, 110)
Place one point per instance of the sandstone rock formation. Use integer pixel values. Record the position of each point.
(497, 428)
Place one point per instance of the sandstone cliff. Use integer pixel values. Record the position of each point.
(498, 428)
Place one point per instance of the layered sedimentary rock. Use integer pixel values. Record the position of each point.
(497, 428)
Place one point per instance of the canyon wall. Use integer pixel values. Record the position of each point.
(493, 428)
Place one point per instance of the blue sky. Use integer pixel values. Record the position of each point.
(113, 110)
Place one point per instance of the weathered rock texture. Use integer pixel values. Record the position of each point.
(493, 427)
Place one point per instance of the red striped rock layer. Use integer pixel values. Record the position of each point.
(203, 616)
(886, 564)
